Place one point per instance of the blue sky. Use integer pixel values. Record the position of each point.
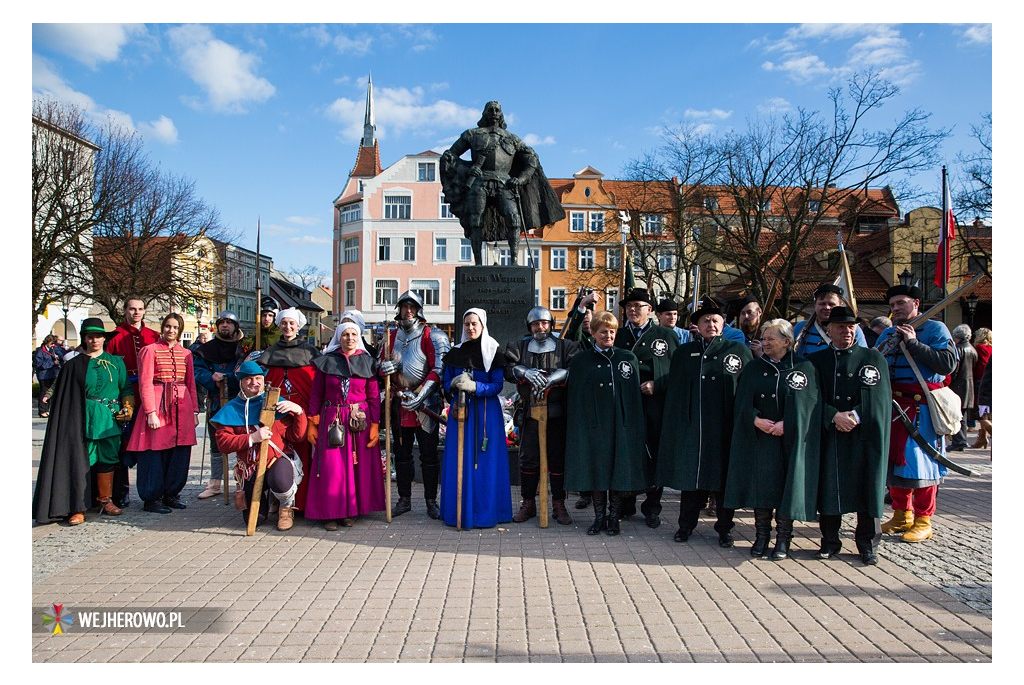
(266, 118)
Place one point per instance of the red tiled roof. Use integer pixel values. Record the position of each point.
(368, 162)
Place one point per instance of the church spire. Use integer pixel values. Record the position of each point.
(369, 126)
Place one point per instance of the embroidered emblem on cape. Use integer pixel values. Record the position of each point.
(797, 380)
(869, 375)
(732, 363)
(625, 369)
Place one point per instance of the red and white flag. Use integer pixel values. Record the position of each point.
(946, 236)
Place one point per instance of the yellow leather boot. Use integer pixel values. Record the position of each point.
(901, 521)
(920, 531)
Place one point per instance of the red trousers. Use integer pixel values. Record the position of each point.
(923, 499)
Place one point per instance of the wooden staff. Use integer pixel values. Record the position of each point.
(386, 461)
(270, 399)
(460, 415)
(539, 413)
(224, 457)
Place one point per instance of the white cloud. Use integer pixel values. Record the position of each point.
(533, 140)
(799, 53)
(90, 44)
(977, 33)
(775, 105)
(277, 229)
(224, 72)
(707, 114)
(47, 83)
(400, 110)
(310, 240)
(303, 220)
(162, 129)
(359, 45)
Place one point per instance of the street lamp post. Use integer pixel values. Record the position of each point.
(65, 301)
(907, 277)
(970, 304)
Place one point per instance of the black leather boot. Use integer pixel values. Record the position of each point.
(600, 520)
(783, 534)
(584, 501)
(403, 505)
(762, 532)
(614, 500)
(831, 544)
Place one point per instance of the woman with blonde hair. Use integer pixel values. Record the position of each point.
(606, 451)
(776, 446)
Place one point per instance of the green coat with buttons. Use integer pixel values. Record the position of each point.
(605, 447)
(653, 350)
(697, 422)
(854, 464)
(776, 472)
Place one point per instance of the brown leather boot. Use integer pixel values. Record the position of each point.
(104, 490)
(76, 519)
(560, 513)
(901, 521)
(285, 518)
(527, 510)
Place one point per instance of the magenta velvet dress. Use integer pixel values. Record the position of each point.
(344, 481)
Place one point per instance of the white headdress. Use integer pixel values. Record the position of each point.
(488, 345)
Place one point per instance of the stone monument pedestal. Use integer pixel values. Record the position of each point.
(506, 293)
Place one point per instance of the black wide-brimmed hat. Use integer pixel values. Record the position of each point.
(95, 325)
(911, 291)
(666, 305)
(841, 315)
(826, 288)
(706, 306)
(637, 295)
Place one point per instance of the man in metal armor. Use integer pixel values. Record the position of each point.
(538, 365)
(503, 176)
(415, 351)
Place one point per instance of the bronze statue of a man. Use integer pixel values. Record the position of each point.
(501, 190)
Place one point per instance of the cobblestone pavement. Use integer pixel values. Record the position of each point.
(417, 591)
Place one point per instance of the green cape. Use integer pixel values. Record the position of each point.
(769, 472)
(605, 447)
(854, 464)
(698, 419)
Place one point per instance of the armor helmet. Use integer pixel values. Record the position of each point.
(410, 296)
(229, 315)
(540, 314)
(268, 304)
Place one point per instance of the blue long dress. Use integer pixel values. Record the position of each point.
(486, 485)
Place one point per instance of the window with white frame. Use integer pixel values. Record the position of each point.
(766, 206)
(397, 207)
(383, 249)
(428, 290)
(351, 251)
(465, 250)
(654, 224)
(533, 259)
(536, 297)
(666, 260)
(612, 300)
(440, 249)
(586, 259)
(596, 222)
(446, 209)
(558, 258)
(425, 171)
(613, 258)
(350, 293)
(451, 296)
(408, 249)
(814, 206)
(385, 292)
(710, 204)
(558, 298)
(577, 222)
(504, 256)
(350, 213)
